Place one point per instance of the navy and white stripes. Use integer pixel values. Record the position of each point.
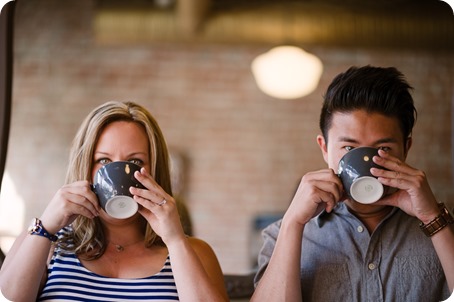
(69, 280)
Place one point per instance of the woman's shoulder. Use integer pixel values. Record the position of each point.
(197, 242)
(200, 246)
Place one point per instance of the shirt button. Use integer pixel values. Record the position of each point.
(360, 229)
(371, 266)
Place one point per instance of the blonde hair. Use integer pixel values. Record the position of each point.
(87, 236)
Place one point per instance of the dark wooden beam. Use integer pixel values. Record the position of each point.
(300, 23)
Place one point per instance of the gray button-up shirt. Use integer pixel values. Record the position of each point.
(341, 261)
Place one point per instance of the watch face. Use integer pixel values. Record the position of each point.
(446, 215)
(31, 225)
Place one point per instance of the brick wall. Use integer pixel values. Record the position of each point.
(244, 152)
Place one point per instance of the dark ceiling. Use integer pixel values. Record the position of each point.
(371, 4)
(422, 24)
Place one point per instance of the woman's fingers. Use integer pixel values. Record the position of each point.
(153, 191)
(151, 205)
(80, 193)
(70, 201)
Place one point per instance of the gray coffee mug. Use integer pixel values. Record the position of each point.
(358, 182)
(111, 185)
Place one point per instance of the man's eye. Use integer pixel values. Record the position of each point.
(386, 149)
(348, 148)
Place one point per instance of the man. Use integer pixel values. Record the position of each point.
(329, 247)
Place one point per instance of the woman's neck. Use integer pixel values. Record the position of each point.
(124, 233)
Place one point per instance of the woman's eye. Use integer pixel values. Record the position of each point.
(137, 162)
(104, 161)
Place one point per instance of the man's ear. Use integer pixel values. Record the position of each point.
(323, 146)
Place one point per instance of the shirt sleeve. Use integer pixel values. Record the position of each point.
(269, 235)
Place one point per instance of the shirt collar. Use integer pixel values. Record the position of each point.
(341, 209)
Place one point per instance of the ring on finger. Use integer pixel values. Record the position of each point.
(163, 202)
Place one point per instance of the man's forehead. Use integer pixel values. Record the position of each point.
(356, 125)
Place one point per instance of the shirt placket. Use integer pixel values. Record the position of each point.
(371, 271)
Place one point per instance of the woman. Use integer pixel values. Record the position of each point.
(98, 258)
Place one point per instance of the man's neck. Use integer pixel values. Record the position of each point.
(370, 215)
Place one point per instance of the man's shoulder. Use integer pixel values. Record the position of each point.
(273, 228)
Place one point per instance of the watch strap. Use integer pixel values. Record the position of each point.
(37, 228)
(438, 223)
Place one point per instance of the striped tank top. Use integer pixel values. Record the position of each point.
(69, 280)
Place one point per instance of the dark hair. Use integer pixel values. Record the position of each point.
(373, 89)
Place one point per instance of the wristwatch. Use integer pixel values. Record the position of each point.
(441, 221)
(36, 228)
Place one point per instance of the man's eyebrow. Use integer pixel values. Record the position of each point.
(347, 139)
(380, 141)
(386, 140)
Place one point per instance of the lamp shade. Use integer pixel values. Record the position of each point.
(287, 72)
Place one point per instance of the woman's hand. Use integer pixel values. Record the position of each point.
(158, 208)
(414, 195)
(70, 201)
(317, 191)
